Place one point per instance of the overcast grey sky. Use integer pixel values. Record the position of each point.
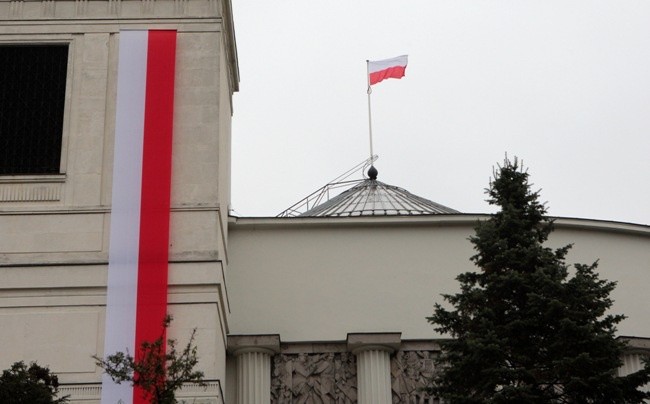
(564, 85)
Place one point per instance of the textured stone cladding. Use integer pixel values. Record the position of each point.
(314, 378)
(411, 372)
(331, 378)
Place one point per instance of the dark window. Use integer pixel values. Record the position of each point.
(32, 98)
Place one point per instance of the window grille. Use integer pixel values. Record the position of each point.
(32, 98)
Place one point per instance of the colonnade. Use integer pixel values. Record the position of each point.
(253, 355)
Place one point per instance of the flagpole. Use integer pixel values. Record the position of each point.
(369, 109)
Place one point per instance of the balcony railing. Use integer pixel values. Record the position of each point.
(90, 393)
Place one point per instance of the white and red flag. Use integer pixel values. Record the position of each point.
(139, 238)
(393, 68)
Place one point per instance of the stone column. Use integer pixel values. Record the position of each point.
(373, 352)
(253, 354)
(636, 349)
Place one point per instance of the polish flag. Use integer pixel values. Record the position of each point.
(139, 237)
(394, 68)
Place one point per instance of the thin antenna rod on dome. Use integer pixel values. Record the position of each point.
(315, 197)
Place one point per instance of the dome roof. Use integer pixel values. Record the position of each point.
(375, 198)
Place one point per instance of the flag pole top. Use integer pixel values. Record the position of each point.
(372, 173)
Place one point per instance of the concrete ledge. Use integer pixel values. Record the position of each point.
(388, 341)
(238, 344)
(636, 344)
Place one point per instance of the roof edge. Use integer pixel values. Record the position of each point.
(459, 219)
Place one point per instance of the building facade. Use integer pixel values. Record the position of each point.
(334, 291)
(56, 185)
(328, 308)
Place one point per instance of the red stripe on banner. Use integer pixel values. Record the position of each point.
(396, 72)
(156, 185)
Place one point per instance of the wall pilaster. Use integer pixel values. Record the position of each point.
(253, 355)
(373, 365)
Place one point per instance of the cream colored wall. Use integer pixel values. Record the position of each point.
(320, 279)
(623, 254)
(55, 315)
(54, 230)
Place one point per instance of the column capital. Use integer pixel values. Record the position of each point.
(380, 341)
(635, 344)
(268, 343)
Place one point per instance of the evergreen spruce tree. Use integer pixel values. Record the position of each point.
(525, 327)
(33, 384)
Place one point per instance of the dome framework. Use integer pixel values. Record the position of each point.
(375, 198)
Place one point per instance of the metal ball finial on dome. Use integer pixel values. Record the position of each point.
(372, 173)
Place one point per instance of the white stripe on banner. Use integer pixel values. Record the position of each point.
(125, 213)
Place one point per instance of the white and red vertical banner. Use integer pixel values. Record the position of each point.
(139, 237)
